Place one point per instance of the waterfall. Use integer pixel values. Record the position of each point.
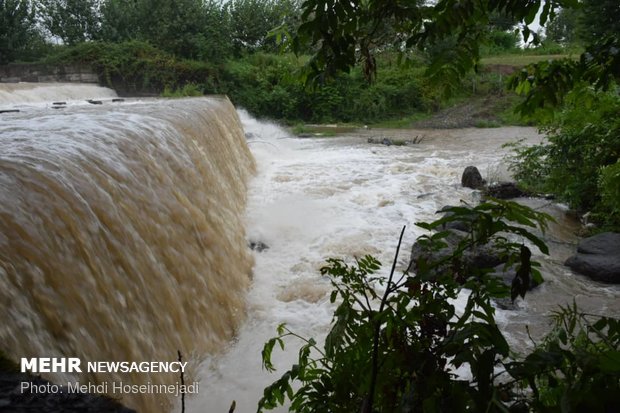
(121, 235)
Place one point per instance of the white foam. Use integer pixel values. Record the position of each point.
(15, 95)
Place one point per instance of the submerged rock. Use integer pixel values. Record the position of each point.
(598, 257)
(258, 246)
(480, 257)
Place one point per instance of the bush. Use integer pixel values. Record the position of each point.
(268, 86)
(575, 161)
(395, 344)
(609, 186)
(395, 348)
(138, 67)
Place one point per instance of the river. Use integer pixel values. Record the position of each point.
(124, 229)
(315, 198)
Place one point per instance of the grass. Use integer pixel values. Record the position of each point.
(401, 123)
(519, 60)
(485, 123)
(322, 130)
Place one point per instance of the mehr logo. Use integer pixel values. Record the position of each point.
(72, 365)
(51, 365)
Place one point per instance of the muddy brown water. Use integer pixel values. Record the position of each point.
(124, 230)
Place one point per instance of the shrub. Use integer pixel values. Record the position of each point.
(395, 344)
(138, 67)
(583, 141)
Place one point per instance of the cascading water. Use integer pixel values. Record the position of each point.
(342, 197)
(41, 94)
(121, 234)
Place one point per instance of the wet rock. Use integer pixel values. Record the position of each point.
(382, 141)
(118, 100)
(460, 225)
(258, 246)
(505, 190)
(480, 257)
(598, 257)
(94, 102)
(9, 111)
(59, 103)
(471, 178)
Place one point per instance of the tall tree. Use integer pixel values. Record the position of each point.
(599, 19)
(341, 33)
(73, 21)
(253, 20)
(565, 27)
(177, 26)
(17, 29)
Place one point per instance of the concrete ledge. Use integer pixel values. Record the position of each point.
(14, 73)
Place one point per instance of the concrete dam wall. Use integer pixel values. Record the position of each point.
(14, 73)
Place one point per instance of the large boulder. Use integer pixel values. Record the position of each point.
(471, 178)
(459, 225)
(505, 190)
(480, 257)
(598, 257)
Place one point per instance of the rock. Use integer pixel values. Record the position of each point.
(384, 141)
(59, 103)
(95, 102)
(9, 111)
(460, 225)
(598, 257)
(504, 190)
(471, 178)
(258, 246)
(482, 256)
(118, 100)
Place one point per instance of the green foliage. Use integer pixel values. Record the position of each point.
(576, 161)
(189, 89)
(565, 27)
(251, 21)
(175, 26)
(267, 85)
(18, 33)
(395, 344)
(577, 366)
(137, 67)
(344, 33)
(73, 21)
(609, 187)
(599, 19)
(501, 42)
